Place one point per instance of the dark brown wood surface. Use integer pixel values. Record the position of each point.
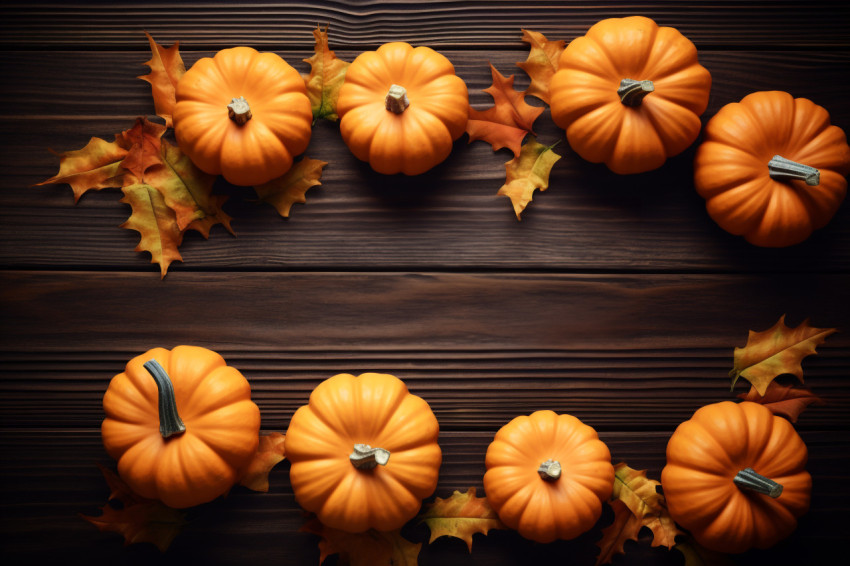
(615, 299)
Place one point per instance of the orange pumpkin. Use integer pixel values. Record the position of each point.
(547, 476)
(181, 425)
(736, 477)
(242, 114)
(629, 94)
(771, 168)
(401, 108)
(364, 452)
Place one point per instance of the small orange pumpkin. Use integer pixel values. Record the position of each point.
(629, 94)
(401, 108)
(364, 452)
(181, 425)
(772, 168)
(547, 476)
(736, 477)
(242, 114)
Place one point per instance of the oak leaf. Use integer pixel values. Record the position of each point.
(166, 69)
(137, 519)
(327, 73)
(270, 452)
(94, 167)
(507, 122)
(461, 516)
(542, 62)
(783, 400)
(776, 351)
(292, 187)
(155, 222)
(370, 548)
(527, 172)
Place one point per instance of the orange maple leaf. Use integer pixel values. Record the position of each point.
(138, 519)
(625, 527)
(461, 516)
(507, 122)
(155, 222)
(370, 548)
(94, 167)
(166, 69)
(144, 147)
(270, 452)
(783, 400)
(327, 73)
(526, 172)
(776, 351)
(292, 187)
(542, 62)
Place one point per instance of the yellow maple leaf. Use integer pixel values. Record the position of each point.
(370, 548)
(327, 73)
(461, 516)
(526, 172)
(270, 452)
(292, 187)
(166, 69)
(542, 62)
(155, 222)
(94, 167)
(776, 351)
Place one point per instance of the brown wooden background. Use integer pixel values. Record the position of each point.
(615, 299)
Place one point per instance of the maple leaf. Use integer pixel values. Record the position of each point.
(625, 527)
(327, 74)
(144, 147)
(527, 172)
(506, 123)
(155, 222)
(461, 516)
(166, 69)
(270, 452)
(370, 548)
(783, 400)
(542, 62)
(776, 351)
(94, 167)
(138, 519)
(292, 187)
(215, 215)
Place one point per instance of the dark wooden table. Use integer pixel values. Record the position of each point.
(618, 304)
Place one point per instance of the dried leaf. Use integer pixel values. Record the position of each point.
(144, 148)
(327, 74)
(461, 516)
(270, 452)
(292, 187)
(94, 167)
(166, 69)
(776, 351)
(696, 555)
(625, 527)
(371, 548)
(155, 222)
(138, 519)
(527, 172)
(506, 123)
(215, 216)
(783, 400)
(542, 62)
(640, 496)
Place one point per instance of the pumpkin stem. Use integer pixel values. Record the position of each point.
(550, 470)
(750, 479)
(239, 111)
(631, 92)
(396, 100)
(365, 457)
(780, 169)
(169, 421)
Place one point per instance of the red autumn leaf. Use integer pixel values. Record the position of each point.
(292, 187)
(370, 548)
(327, 73)
(527, 172)
(270, 452)
(461, 516)
(166, 69)
(542, 62)
(138, 519)
(507, 122)
(144, 147)
(783, 400)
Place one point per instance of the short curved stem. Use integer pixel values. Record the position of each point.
(396, 100)
(169, 421)
(365, 457)
(781, 169)
(752, 480)
(632, 92)
(550, 470)
(239, 111)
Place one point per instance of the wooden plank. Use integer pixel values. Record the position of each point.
(482, 23)
(479, 348)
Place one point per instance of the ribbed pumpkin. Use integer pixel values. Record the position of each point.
(242, 114)
(629, 94)
(547, 476)
(181, 425)
(401, 108)
(772, 168)
(364, 452)
(736, 477)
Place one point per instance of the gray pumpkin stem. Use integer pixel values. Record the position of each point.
(169, 421)
(781, 169)
(631, 92)
(750, 479)
(550, 470)
(365, 457)
(396, 100)
(239, 111)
